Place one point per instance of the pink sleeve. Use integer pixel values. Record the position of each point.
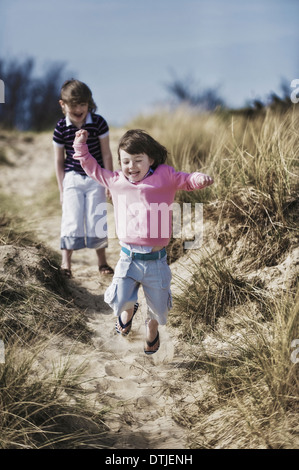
(91, 166)
(190, 181)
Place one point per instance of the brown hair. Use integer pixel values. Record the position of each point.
(75, 92)
(137, 141)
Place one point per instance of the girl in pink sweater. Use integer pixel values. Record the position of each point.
(143, 192)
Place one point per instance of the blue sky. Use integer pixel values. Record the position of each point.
(128, 50)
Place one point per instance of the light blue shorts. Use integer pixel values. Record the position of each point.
(129, 275)
(81, 198)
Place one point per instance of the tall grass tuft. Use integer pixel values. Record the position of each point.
(254, 382)
(34, 295)
(40, 407)
(45, 409)
(213, 289)
(260, 153)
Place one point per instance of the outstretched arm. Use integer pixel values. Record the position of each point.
(203, 180)
(88, 162)
(191, 181)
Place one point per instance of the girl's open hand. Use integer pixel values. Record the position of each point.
(81, 137)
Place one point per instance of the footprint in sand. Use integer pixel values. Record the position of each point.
(121, 370)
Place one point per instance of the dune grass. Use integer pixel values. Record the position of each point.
(214, 288)
(240, 329)
(253, 393)
(45, 409)
(254, 163)
(40, 407)
(237, 151)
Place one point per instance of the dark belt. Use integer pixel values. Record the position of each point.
(145, 256)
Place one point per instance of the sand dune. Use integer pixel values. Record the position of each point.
(136, 387)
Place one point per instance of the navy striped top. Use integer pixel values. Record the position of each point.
(64, 135)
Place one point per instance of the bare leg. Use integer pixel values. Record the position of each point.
(101, 254)
(126, 316)
(102, 261)
(66, 259)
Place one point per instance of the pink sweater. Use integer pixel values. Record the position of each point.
(142, 210)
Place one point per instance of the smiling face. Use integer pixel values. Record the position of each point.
(135, 167)
(76, 112)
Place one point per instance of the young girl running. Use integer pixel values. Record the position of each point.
(143, 188)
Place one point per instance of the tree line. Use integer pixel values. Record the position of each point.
(31, 102)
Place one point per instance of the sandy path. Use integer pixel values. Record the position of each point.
(144, 392)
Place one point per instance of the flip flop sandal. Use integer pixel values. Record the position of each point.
(106, 270)
(128, 324)
(66, 272)
(150, 344)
